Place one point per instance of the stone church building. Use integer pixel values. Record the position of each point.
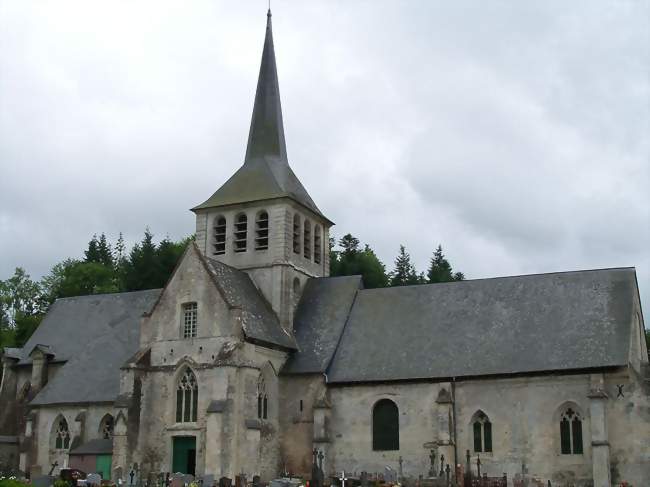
(251, 357)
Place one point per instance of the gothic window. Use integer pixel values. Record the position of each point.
(296, 233)
(262, 400)
(241, 232)
(317, 244)
(106, 427)
(307, 240)
(61, 434)
(262, 231)
(385, 426)
(190, 319)
(187, 397)
(219, 235)
(571, 432)
(482, 430)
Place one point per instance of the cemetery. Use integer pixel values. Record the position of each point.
(252, 367)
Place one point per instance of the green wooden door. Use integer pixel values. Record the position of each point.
(184, 454)
(103, 466)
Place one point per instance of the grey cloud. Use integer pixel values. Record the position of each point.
(515, 133)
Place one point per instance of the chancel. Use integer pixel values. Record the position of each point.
(252, 361)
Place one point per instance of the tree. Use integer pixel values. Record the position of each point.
(104, 253)
(167, 255)
(141, 269)
(404, 273)
(21, 307)
(351, 261)
(92, 252)
(440, 270)
(83, 278)
(19, 294)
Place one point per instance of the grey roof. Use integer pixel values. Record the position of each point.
(259, 321)
(523, 324)
(319, 320)
(266, 173)
(45, 349)
(99, 446)
(14, 353)
(94, 335)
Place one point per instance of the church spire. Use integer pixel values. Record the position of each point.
(266, 136)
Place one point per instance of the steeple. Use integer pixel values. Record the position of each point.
(266, 173)
(266, 136)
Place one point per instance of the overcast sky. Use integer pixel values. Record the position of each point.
(514, 133)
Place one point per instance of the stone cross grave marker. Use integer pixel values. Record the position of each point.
(343, 478)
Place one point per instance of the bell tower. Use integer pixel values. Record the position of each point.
(262, 220)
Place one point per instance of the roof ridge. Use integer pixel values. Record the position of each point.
(107, 294)
(537, 274)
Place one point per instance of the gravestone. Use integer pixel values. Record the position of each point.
(43, 481)
(240, 480)
(364, 479)
(177, 479)
(207, 480)
(225, 482)
(257, 481)
(93, 479)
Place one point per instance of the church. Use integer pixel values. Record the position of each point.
(251, 357)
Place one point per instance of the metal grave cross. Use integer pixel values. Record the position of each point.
(342, 478)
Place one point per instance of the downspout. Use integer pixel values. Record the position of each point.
(453, 415)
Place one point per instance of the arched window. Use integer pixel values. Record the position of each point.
(241, 232)
(296, 233)
(61, 434)
(571, 432)
(317, 244)
(219, 235)
(385, 426)
(106, 427)
(307, 240)
(262, 231)
(262, 400)
(482, 430)
(187, 397)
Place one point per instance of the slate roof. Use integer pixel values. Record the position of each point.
(319, 320)
(94, 335)
(259, 321)
(523, 324)
(14, 353)
(99, 446)
(266, 173)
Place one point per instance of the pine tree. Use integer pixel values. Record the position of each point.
(92, 253)
(404, 273)
(141, 267)
(440, 269)
(104, 253)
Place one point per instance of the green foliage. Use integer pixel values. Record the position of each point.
(81, 278)
(404, 273)
(61, 483)
(21, 306)
(440, 269)
(352, 261)
(25, 326)
(11, 482)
